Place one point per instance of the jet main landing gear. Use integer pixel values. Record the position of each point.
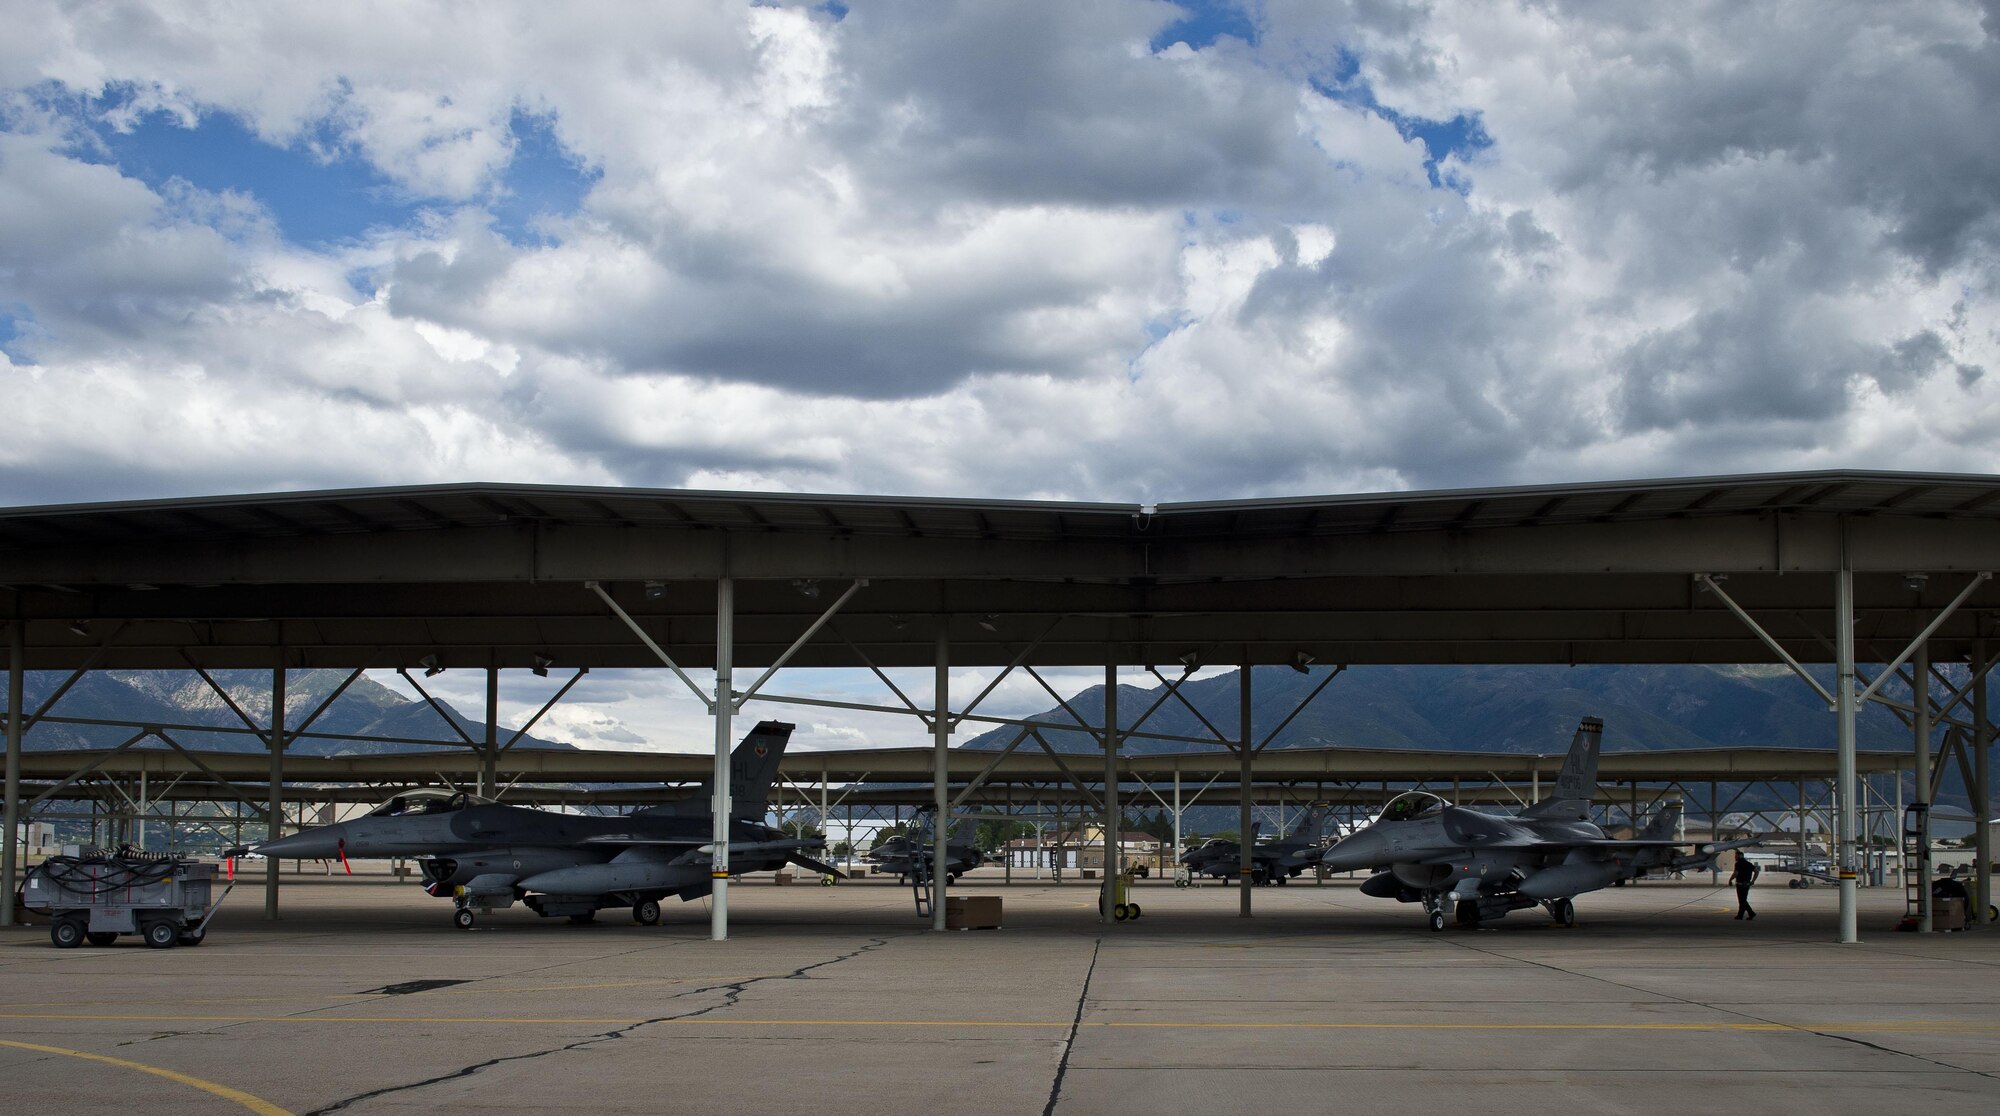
(1562, 910)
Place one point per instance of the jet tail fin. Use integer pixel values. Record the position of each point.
(1576, 785)
(1665, 825)
(753, 767)
(1314, 826)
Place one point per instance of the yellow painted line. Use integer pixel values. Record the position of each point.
(255, 1104)
(1924, 1026)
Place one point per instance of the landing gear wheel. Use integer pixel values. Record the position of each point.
(646, 912)
(463, 918)
(827, 881)
(160, 935)
(1120, 912)
(1283, 880)
(1132, 909)
(67, 933)
(193, 937)
(1437, 921)
(102, 937)
(1564, 912)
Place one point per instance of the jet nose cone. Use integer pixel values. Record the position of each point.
(1361, 850)
(313, 844)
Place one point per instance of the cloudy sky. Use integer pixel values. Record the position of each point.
(1124, 250)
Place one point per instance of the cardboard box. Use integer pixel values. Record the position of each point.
(972, 912)
(1947, 914)
(781, 878)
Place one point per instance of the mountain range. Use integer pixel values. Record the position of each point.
(181, 698)
(1488, 708)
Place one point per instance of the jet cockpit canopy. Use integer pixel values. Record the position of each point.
(426, 800)
(1411, 805)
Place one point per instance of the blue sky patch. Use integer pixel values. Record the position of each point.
(318, 200)
(1204, 22)
(16, 321)
(542, 180)
(1462, 135)
(315, 202)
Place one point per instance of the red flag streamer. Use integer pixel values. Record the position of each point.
(340, 847)
(232, 867)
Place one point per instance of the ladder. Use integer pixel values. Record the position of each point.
(1916, 859)
(920, 859)
(920, 883)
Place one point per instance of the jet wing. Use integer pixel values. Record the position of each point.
(1705, 847)
(1474, 830)
(624, 839)
(824, 869)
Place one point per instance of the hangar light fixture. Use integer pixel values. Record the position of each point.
(432, 668)
(986, 622)
(1191, 660)
(655, 590)
(1915, 582)
(81, 628)
(542, 665)
(1301, 661)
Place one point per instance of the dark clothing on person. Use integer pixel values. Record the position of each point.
(1744, 875)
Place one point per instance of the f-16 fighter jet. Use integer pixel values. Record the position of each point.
(912, 851)
(484, 856)
(1270, 861)
(1478, 867)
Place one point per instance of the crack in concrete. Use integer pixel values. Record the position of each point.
(1719, 1007)
(1076, 1024)
(732, 993)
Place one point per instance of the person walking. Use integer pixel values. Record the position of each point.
(1745, 874)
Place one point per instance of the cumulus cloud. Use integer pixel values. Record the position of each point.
(1025, 251)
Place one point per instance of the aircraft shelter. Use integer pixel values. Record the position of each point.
(1886, 576)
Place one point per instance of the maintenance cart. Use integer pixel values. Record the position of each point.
(97, 896)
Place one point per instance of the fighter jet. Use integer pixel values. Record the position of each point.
(484, 856)
(1270, 861)
(904, 852)
(1481, 866)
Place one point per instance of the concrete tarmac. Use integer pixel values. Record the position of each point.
(839, 1000)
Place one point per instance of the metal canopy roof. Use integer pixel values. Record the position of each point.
(1308, 766)
(486, 574)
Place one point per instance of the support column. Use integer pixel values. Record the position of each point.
(940, 772)
(276, 804)
(1244, 863)
(1714, 834)
(1982, 806)
(1177, 821)
(1112, 843)
(725, 705)
(1920, 700)
(1844, 649)
(10, 848)
(489, 759)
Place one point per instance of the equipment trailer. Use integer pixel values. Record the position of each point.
(97, 896)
